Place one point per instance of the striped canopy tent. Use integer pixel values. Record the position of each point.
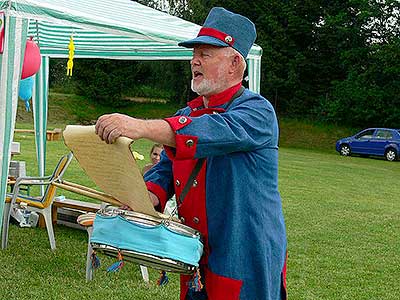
(113, 29)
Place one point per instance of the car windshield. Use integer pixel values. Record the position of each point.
(365, 134)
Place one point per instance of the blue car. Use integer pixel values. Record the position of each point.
(372, 141)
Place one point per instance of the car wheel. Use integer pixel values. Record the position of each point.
(391, 154)
(344, 150)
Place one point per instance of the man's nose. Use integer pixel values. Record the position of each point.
(195, 61)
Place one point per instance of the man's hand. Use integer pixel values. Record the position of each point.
(110, 127)
(125, 207)
(154, 199)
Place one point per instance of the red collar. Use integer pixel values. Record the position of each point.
(217, 99)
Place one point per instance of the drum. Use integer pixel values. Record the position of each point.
(154, 242)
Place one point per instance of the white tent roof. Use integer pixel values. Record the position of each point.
(118, 28)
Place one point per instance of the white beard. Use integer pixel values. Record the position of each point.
(208, 86)
(205, 87)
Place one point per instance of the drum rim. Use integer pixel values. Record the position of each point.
(111, 211)
(166, 264)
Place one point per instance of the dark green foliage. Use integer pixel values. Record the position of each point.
(58, 76)
(162, 79)
(335, 61)
(368, 97)
(367, 94)
(331, 61)
(104, 80)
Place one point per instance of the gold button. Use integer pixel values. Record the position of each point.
(196, 220)
(189, 143)
(182, 120)
(182, 219)
(195, 183)
(228, 39)
(177, 182)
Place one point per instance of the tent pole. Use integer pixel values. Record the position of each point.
(11, 60)
(40, 106)
(254, 73)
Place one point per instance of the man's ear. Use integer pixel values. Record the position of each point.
(235, 63)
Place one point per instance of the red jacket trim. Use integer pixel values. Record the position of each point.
(217, 287)
(185, 146)
(178, 122)
(170, 152)
(284, 294)
(220, 287)
(217, 99)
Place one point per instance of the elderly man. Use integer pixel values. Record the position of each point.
(233, 199)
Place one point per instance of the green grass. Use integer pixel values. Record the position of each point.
(307, 135)
(342, 217)
(30, 270)
(342, 222)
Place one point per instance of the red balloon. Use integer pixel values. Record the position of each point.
(32, 59)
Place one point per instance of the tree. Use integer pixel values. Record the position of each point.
(103, 80)
(335, 61)
(367, 95)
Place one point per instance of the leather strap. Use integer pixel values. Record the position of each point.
(191, 179)
(236, 95)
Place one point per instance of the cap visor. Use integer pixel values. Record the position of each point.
(203, 40)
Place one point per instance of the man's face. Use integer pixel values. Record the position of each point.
(210, 69)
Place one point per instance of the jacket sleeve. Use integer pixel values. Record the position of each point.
(248, 124)
(159, 180)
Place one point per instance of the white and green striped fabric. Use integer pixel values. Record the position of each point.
(10, 64)
(116, 29)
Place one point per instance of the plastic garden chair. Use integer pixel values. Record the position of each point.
(41, 204)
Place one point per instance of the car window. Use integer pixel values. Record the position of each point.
(365, 134)
(384, 134)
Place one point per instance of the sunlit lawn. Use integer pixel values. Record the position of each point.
(343, 224)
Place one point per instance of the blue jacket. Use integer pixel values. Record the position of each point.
(234, 201)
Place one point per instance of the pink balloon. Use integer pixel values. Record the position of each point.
(32, 59)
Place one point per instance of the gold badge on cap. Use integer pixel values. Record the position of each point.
(228, 39)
